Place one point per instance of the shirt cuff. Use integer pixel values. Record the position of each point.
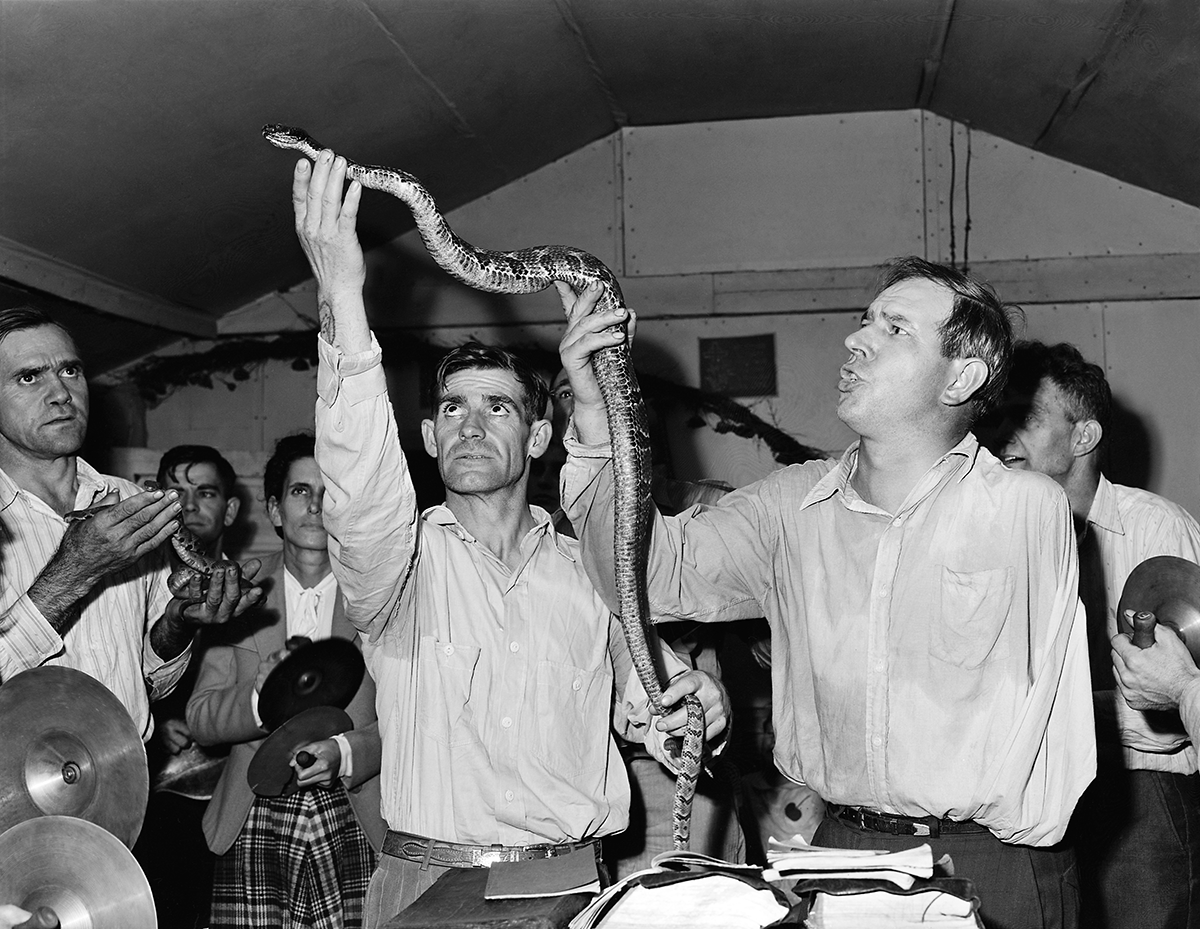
(358, 376)
(346, 770)
(577, 449)
(254, 709)
(27, 638)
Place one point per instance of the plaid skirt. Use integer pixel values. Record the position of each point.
(299, 861)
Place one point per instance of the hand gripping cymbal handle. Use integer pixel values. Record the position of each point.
(1143, 628)
(305, 759)
(43, 918)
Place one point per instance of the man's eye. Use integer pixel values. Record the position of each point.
(26, 378)
(499, 408)
(72, 371)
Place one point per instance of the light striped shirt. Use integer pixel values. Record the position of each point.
(1125, 526)
(111, 638)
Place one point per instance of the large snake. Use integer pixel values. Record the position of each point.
(526, 271)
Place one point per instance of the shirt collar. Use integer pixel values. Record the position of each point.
(543, 525)
(92, 486)
(959, 461)
(1103, 512)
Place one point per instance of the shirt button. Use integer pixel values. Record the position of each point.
(877, 740)
(898, 521)
(449, 649)
(575, 685)
(506, 722)
(514, 647)
(880, 665)
(508, 795)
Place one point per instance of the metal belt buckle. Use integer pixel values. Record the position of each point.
(491, 856)
(922, 829)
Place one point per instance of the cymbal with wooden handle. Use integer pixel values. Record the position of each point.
(326, 672)
(1168, 587)
(68, 747)
(80, 872)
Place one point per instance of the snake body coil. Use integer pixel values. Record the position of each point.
(527, 271)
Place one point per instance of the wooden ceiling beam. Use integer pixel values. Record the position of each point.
(36, 270)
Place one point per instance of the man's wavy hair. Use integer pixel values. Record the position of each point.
(535, 395)
(188, 455)
(20, 318)
(1083, 384)
(980, 325)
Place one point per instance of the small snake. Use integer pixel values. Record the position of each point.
(186, 546)
(526, 271)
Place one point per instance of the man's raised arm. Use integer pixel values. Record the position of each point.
(370, 506)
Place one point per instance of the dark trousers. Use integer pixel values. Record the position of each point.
(1138, 838)
(1019, 886)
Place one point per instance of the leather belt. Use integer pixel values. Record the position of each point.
(426, 851)
(893, 824)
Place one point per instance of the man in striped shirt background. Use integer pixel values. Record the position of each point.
(90, 594)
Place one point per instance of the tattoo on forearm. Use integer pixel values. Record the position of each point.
(328, 324)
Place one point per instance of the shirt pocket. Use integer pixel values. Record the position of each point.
(975, 605)
(573, 724)
(445, 674)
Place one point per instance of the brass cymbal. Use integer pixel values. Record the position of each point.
(80, 871)
(270, 773)
(322, 673)
(70, 749)
(1168, 587)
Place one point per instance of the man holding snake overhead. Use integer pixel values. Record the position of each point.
(494, 658)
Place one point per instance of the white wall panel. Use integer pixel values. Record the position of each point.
(1024, 204)
(773, 193)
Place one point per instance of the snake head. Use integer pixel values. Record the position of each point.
(289, 137)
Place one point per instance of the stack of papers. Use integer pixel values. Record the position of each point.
(686, 890)
(928, 908)
(797, 859)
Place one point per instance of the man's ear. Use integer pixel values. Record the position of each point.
(273, 512)
(541, 433)
(1087, 435)
(428, 439)
(970, 374)
(232, 507)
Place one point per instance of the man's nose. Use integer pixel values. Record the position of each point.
(859, 340)
(472, 426)
(57, 391)
(316, 502)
